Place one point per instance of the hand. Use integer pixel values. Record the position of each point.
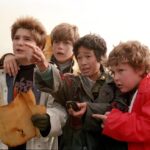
(37, 57)
(101, 117)
(82, 109)
(10, 65)
(41, 121)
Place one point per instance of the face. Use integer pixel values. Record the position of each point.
(88, 63)
(62, 51)
(20, 39)
(126, 77)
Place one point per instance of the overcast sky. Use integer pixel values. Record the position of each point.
(114, 20)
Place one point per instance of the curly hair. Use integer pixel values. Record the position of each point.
(132, 52)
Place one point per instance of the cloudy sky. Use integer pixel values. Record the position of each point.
(115, 20)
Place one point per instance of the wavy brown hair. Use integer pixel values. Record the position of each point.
(37, 29)
(132, 52)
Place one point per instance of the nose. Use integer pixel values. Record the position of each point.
(20, 41)
(60, 44)
(115, 77)
(83, 61)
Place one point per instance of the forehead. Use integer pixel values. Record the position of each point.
(84, 50)
(121, 66)
(22, 31)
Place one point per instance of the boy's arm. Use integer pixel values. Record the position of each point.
(56, 112)
(129, 127)
(9, 63)
(58, 117)
(48, 81)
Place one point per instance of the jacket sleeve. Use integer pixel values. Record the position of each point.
(51, 82)
(57, 113)
(58, 117)
(129, 127)
(48, 81)
(99, 106)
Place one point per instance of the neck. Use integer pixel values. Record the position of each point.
(24, 63)
(66, 61)
(95, 76)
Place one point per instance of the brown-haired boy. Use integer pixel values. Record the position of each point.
(130, 65)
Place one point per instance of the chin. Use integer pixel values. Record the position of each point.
(124, 91)
(86, 74)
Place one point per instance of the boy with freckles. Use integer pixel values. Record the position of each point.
(130, 65)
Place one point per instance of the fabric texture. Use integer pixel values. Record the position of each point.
(133, 127)
(87, 133)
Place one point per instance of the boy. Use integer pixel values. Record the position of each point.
(130, 66)
(88, 90)
(28, 31)
(63, 37)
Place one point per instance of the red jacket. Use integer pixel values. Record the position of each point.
(132, 127)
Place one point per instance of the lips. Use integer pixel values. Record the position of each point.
(19, 50)
(119, 86)
(59, 53)
(84, 70)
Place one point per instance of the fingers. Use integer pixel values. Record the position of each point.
(107, 113)
(10, 65)
(78, 113)
(13, 69)
(35, 55)
(99, 117)
(75, 113)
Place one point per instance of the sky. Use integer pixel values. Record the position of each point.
(114, 20)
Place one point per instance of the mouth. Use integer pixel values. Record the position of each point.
(59, 53)
(119, 86)
(19, 50)
(85, 70)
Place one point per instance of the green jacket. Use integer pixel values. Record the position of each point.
(84, 134)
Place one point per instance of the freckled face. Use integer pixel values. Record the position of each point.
(126, 77)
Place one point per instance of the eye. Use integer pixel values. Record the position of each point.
(67, 42)
(28, 39)
(16, 38)
(120, 70)
(79, 57)
(55, 41)
(88, 56)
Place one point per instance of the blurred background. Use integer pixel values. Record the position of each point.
(114, 20)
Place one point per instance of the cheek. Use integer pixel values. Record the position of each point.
(13, 45)
(129, 83)
(69, 53)
(94, 68)
(54, 48)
